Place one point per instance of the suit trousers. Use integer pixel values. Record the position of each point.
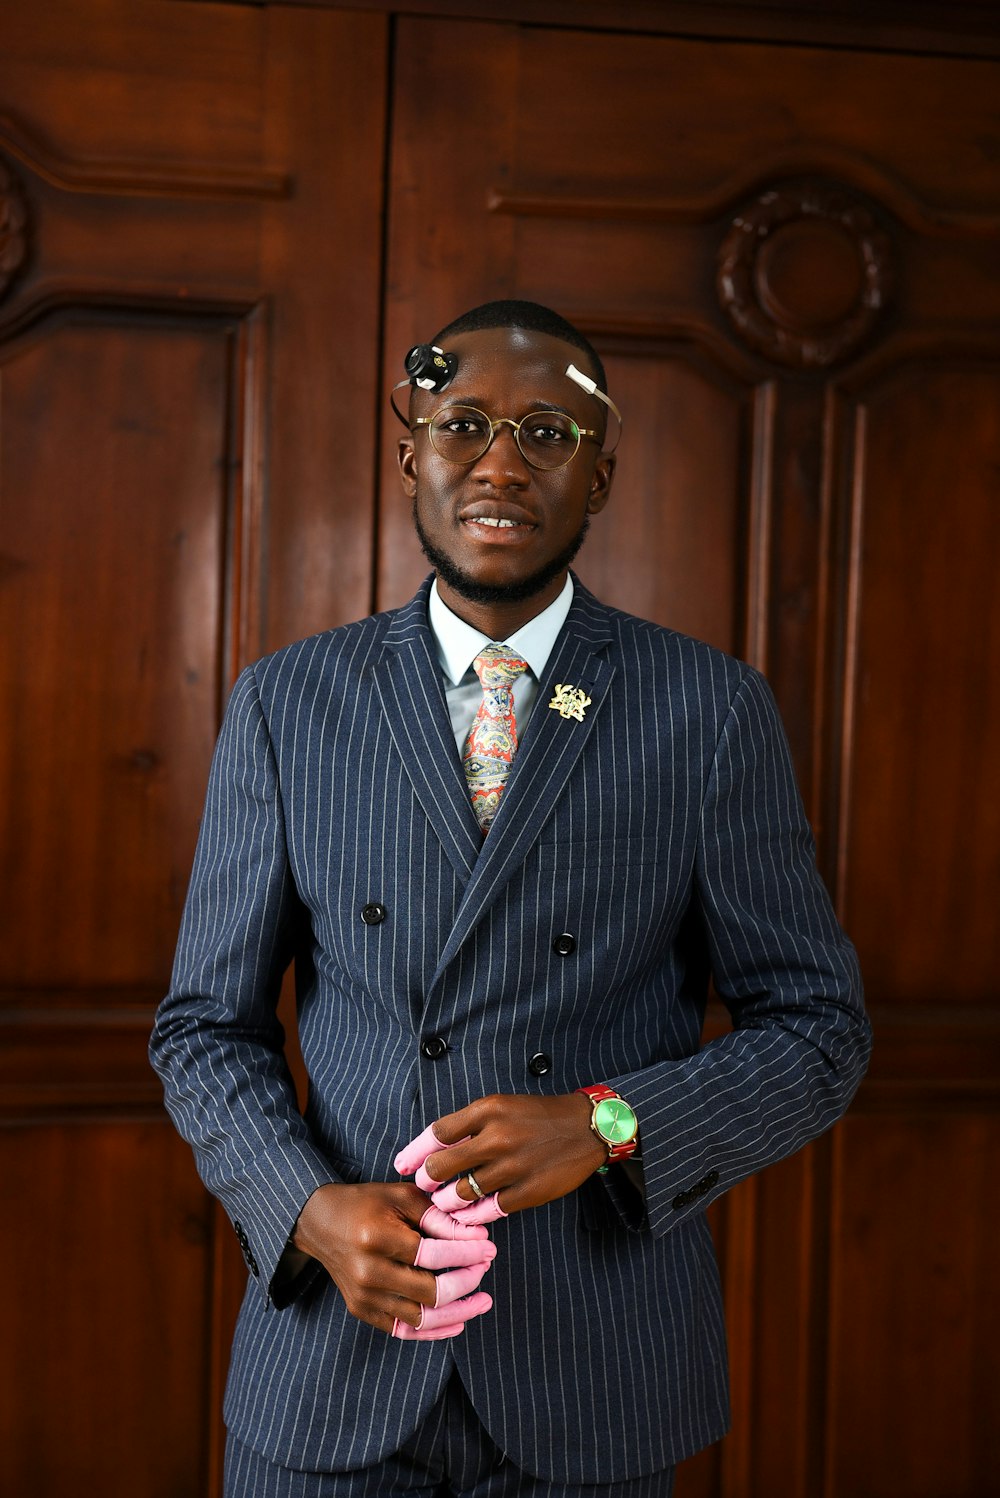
(450, 1455)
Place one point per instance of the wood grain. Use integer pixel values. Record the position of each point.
(238, 219)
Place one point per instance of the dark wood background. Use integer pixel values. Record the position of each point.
(220, 227)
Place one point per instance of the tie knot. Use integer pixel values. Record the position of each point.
(498, 666)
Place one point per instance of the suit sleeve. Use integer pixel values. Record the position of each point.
(217, 1043)
(781, 964)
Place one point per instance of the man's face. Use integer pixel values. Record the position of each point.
(505, 372)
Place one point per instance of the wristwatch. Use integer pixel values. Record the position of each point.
(613, 1121)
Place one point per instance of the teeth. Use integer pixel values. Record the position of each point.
(486, 520)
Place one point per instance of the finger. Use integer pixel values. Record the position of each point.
(453, 1160)
(438, 1253)
(416, 1152)
(488, 1210)
(476, 1304)
(449, 1199)
(423, 1180)
(414, 1286)
(433, 1334)
(438, 1224)
(419, 1150)
(459, 1282)
(445, 1166)
(456, 1128)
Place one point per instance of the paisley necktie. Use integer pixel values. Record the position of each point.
(492, 739)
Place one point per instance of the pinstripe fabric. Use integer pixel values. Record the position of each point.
(450, 1456)
(665, 832)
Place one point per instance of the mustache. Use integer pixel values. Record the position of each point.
(469, 587)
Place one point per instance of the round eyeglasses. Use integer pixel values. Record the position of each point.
(545, 439)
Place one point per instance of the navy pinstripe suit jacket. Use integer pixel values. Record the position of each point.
(665, 833)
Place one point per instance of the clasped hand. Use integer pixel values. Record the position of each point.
(413, 1269)
(532, 1149)
(400, 1263)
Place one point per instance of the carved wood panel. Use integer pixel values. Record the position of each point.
(788, 258)
(914, 1318)
(109, 1360)
(13, 227)
(687, 546)
(114, 615)
(919, 874)
(188, 261)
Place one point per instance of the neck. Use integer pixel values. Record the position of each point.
(502, 619)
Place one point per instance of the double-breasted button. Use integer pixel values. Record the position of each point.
(244, 1243)
(700, 1188)
(564, 944)
(373, 914)
(540, 1064)
(433, 1047)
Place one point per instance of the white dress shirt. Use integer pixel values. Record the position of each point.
(458, 644)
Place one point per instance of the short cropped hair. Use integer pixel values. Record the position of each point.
(532, 317)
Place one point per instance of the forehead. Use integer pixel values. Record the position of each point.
(505, 365)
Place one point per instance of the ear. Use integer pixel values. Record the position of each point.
(407, 459)
(600, 483)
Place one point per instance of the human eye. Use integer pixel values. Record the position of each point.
(461, 423)
(550, 430)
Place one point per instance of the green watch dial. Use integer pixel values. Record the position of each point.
(615, 1121)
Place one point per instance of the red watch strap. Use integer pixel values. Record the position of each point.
(599, 1092)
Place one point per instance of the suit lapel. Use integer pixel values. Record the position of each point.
(408, 681)
(547, 754)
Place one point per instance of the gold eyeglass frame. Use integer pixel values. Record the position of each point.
(581, 432)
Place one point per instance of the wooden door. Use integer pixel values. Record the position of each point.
(787, 257)
(189, 228)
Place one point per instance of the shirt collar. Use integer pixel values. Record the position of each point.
(458, 643)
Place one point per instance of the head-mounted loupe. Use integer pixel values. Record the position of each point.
(430, 368)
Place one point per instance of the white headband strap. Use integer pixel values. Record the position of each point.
(586, 383)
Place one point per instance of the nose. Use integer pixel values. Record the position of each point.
(503, 463)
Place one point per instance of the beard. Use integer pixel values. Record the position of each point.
(473, 591)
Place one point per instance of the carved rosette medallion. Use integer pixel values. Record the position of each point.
(13, 227)
(804, 273)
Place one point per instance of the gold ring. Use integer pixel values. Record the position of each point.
(480, 1193)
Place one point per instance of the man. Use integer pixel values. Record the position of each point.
(505, 833)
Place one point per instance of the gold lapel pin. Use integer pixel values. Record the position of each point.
(570, 702)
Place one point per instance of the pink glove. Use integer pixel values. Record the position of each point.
(467, 1214)
(438, 1224)
(436, 1323)
(465, 1258)
(412, 1156)
(455, 1260)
